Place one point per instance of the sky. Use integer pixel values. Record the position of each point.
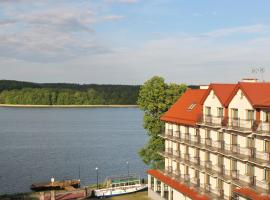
(130, 41)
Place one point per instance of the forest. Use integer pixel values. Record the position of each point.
(19, 92)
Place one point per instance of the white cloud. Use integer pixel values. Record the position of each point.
(257, 28)
(122, 1)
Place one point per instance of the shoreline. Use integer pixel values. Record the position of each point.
(66, 106)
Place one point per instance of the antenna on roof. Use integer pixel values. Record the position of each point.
(258, 70)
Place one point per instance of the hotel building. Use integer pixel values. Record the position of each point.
(217, 144)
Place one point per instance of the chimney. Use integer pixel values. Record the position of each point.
(250, 80)
(204, 87)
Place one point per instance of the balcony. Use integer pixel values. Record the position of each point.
(242, 125)
(169, 132)
(212, 121)
(169, 150)
(263, 184)
(208, 141)
(195, 160)
(218, 144)
(194, 138)
(264, 127)
(176, 153)
(262, 155)
(218, 168)
(195, 181)
(185, 156)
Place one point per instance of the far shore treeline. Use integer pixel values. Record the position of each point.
(27, 93)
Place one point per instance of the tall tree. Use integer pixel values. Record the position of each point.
(155, 98)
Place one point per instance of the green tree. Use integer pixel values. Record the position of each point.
(155, 98)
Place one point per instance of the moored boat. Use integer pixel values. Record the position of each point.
(120, 185)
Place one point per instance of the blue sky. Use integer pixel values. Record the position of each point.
(129, 41)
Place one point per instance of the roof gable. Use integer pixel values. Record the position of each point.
(187, 109)
(222, 91)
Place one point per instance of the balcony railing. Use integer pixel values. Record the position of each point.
(264, 127)
(263, 184)
(262, 155)
(195, 160)
(218, 168)
(218, 144)
(169, 150)
(195, 181)
(176, 153)
(235, 174)
(211, 120)
(169, 132)
(194, 138)
(241, 124)
(208, 141)
(185, 156)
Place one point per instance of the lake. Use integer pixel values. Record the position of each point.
(39, 143)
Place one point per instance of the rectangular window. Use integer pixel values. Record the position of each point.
(208, 111)
(220, 112)
(250, 114)
(234, 113)
(266, 116)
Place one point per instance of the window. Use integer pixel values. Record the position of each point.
(191, 106)
(250, 114)
(266, 116)
(220, 112)
(208, 111)
(234, 113)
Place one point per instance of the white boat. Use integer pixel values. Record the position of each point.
(120, 185)
(115, 191)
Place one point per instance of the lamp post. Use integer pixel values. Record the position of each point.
(127, 167)
(97, 177)
(128, 170)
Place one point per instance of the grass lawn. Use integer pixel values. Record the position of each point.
(134, 196)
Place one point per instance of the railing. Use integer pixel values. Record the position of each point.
(176, 153)
(169, 132)
(194, 159)
(262, 155)
(168, 170)
(211, 120)
(218, 144)
(194, 138)
(176, 173)
(217, 191)
(169, 150)
(195, 181)
(185, 156)
(208, 141)
(219, 168)
(176, 134)
(186, 178)
(241, 124)
(263, 184)
(249, 151)
(235, 174)
(264, 127)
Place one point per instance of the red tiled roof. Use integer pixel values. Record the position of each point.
(180, 113)
(182, 188)
(257, 93)
(251, 194)
(222, 91)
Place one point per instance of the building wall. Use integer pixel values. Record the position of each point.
(240, 102)
(213, 102)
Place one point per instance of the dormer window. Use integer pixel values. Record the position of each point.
(220, 112)
(190, 108)
(250, 114)
(207, 111)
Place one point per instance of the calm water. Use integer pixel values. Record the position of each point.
(36, 144)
